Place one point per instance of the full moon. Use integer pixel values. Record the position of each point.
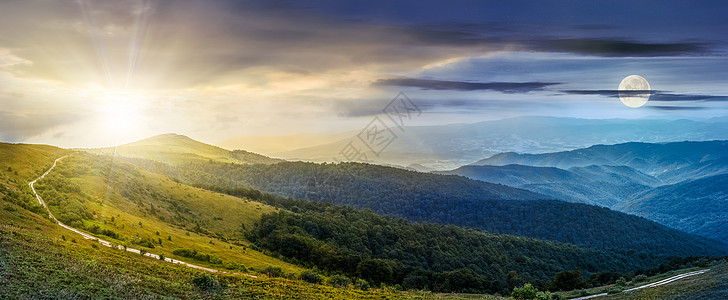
(634, 91)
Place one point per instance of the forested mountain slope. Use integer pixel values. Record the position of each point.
(698, 206)
(447, 200)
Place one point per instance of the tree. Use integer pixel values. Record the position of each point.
(310, 277)
(567, 281)
(527, 291)
(206, 283)
(621, 282)
(375, 270)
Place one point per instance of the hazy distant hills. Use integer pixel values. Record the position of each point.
(597, 185)
(668, 162)
(174, 149)
(652, 180)
(447, 147)
(697, 206)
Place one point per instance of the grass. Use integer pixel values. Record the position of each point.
(21, 163)
(221, 215)
(178, 149)
(36, 262)
(710, 285)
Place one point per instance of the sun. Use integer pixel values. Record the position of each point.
(120, 113)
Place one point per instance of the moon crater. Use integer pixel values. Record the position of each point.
(634, 91)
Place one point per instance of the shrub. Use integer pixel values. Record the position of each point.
(362, 284)
(621, 282)
(310, 277)
(144, 242)
(567, 281)
(547, 296)
(527, 291)
(206, 283)
(375, 270)
(273, 271)
(340, 281)
(640, 278)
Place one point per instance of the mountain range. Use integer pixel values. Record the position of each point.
(653, 180)
(446, 147)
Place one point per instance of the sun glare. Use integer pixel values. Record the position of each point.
(120, 113)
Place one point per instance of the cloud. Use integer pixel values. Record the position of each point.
(654, 95)
(674, 108)
(430, 84)
(19, 127)
(616, 47)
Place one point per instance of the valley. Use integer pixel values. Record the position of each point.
(186, 202)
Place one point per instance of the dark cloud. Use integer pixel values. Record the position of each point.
(615, 47)
(430, 84)
(654, 95)
(672, 108)
(20, 127)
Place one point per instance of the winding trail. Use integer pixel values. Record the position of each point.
(107, 243)
(654, 284)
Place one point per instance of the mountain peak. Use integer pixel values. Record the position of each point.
(172, 148)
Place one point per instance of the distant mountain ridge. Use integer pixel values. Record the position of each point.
(665, 161)
(677, 184)
(446, 147)
(597, 185)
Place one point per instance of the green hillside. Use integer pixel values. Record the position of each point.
(133, 207)
(174, 149)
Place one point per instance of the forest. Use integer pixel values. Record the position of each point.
(450, 199)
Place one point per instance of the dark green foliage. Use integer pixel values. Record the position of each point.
(311, 277)
(23, 197)
(602, 278)
(422, 256)
(272, 271)
(362, 285)
(198, 256)
(375, 270)
(419, 279)
(527, 291)
(461, 281)
(567, 281)
(107, 232)
(621, 281)
(65, 198)
(207, 283)
(339, 281)
(144, 242)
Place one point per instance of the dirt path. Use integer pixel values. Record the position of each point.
(107, 243)
(657, 283)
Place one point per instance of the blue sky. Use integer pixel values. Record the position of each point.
(91, 73)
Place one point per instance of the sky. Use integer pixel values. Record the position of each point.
(81, 73)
